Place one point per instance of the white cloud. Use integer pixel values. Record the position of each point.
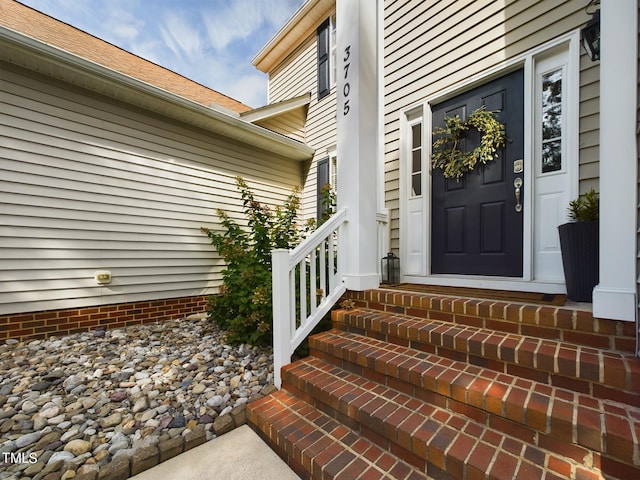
(181, 36)
(122, 24)
(237, 20)
(250, 89)
(241, 19)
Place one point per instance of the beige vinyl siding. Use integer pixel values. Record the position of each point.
(87, 184)
(290, 124)
(297, 75)
(432, 46)
(589, 129)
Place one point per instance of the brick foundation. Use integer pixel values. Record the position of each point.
(43, 324)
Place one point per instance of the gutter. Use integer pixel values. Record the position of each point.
(216, 121)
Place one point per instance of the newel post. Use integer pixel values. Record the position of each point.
(282, 322)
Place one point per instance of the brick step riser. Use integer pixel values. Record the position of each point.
(437, 454)
(358, 424)
(496, 422)
(318, 447)
(575, 368)
(510, 418)
(541, 321)
(377, 432)
(527, 422)
(277, 441)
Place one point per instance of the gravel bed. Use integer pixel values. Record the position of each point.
(69, 406)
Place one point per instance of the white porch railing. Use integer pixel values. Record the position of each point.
(307, 282)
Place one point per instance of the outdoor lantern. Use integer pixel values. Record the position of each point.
(590, 35)
(390, 268)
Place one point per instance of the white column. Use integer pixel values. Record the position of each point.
(357, 123)
(615, 296)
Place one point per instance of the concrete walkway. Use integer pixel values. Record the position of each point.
(238, 455)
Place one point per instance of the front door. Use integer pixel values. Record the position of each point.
(477, 222)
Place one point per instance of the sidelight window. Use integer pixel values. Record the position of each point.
(416, 160)
(552, 121)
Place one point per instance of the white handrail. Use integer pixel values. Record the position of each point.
(307, 282)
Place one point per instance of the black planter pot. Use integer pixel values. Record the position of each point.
(580, 243)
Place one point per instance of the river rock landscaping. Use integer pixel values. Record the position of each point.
(99, 404)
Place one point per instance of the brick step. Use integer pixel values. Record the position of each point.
(542, 321)
(601, 373)
(317, 446)
(533, 412)
(442, 443)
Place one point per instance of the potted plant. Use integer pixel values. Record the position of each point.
(580, 244)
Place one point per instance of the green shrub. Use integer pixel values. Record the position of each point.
(243, 308)
(585, 208)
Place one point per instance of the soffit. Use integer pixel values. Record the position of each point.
(276, 109)
(302, 24)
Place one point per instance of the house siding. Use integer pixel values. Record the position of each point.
(88, 184)
(294, 76)
(427, 50)
(291, 124)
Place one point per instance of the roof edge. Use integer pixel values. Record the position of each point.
(199, 115)
(304, 21)
(275, 109)
(50, 30)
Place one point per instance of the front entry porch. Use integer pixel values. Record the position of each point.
(415, 385)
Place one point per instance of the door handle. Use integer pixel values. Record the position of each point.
(517, 183)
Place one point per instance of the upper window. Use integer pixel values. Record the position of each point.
(326, 56)
(552, 121)
(332, 43)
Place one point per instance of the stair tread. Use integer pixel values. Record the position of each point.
(601, 425)
(323, 447)
(444, 440)
(616, 372)
(459, 388)
(543, 321)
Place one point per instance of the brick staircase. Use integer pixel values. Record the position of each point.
(414, 385)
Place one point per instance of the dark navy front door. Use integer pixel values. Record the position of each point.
(476, 228)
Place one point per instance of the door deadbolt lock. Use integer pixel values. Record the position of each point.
(518, 166)
(517, 183)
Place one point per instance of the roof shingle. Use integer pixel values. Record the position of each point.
(35, 24)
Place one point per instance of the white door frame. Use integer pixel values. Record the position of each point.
(527, 61)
